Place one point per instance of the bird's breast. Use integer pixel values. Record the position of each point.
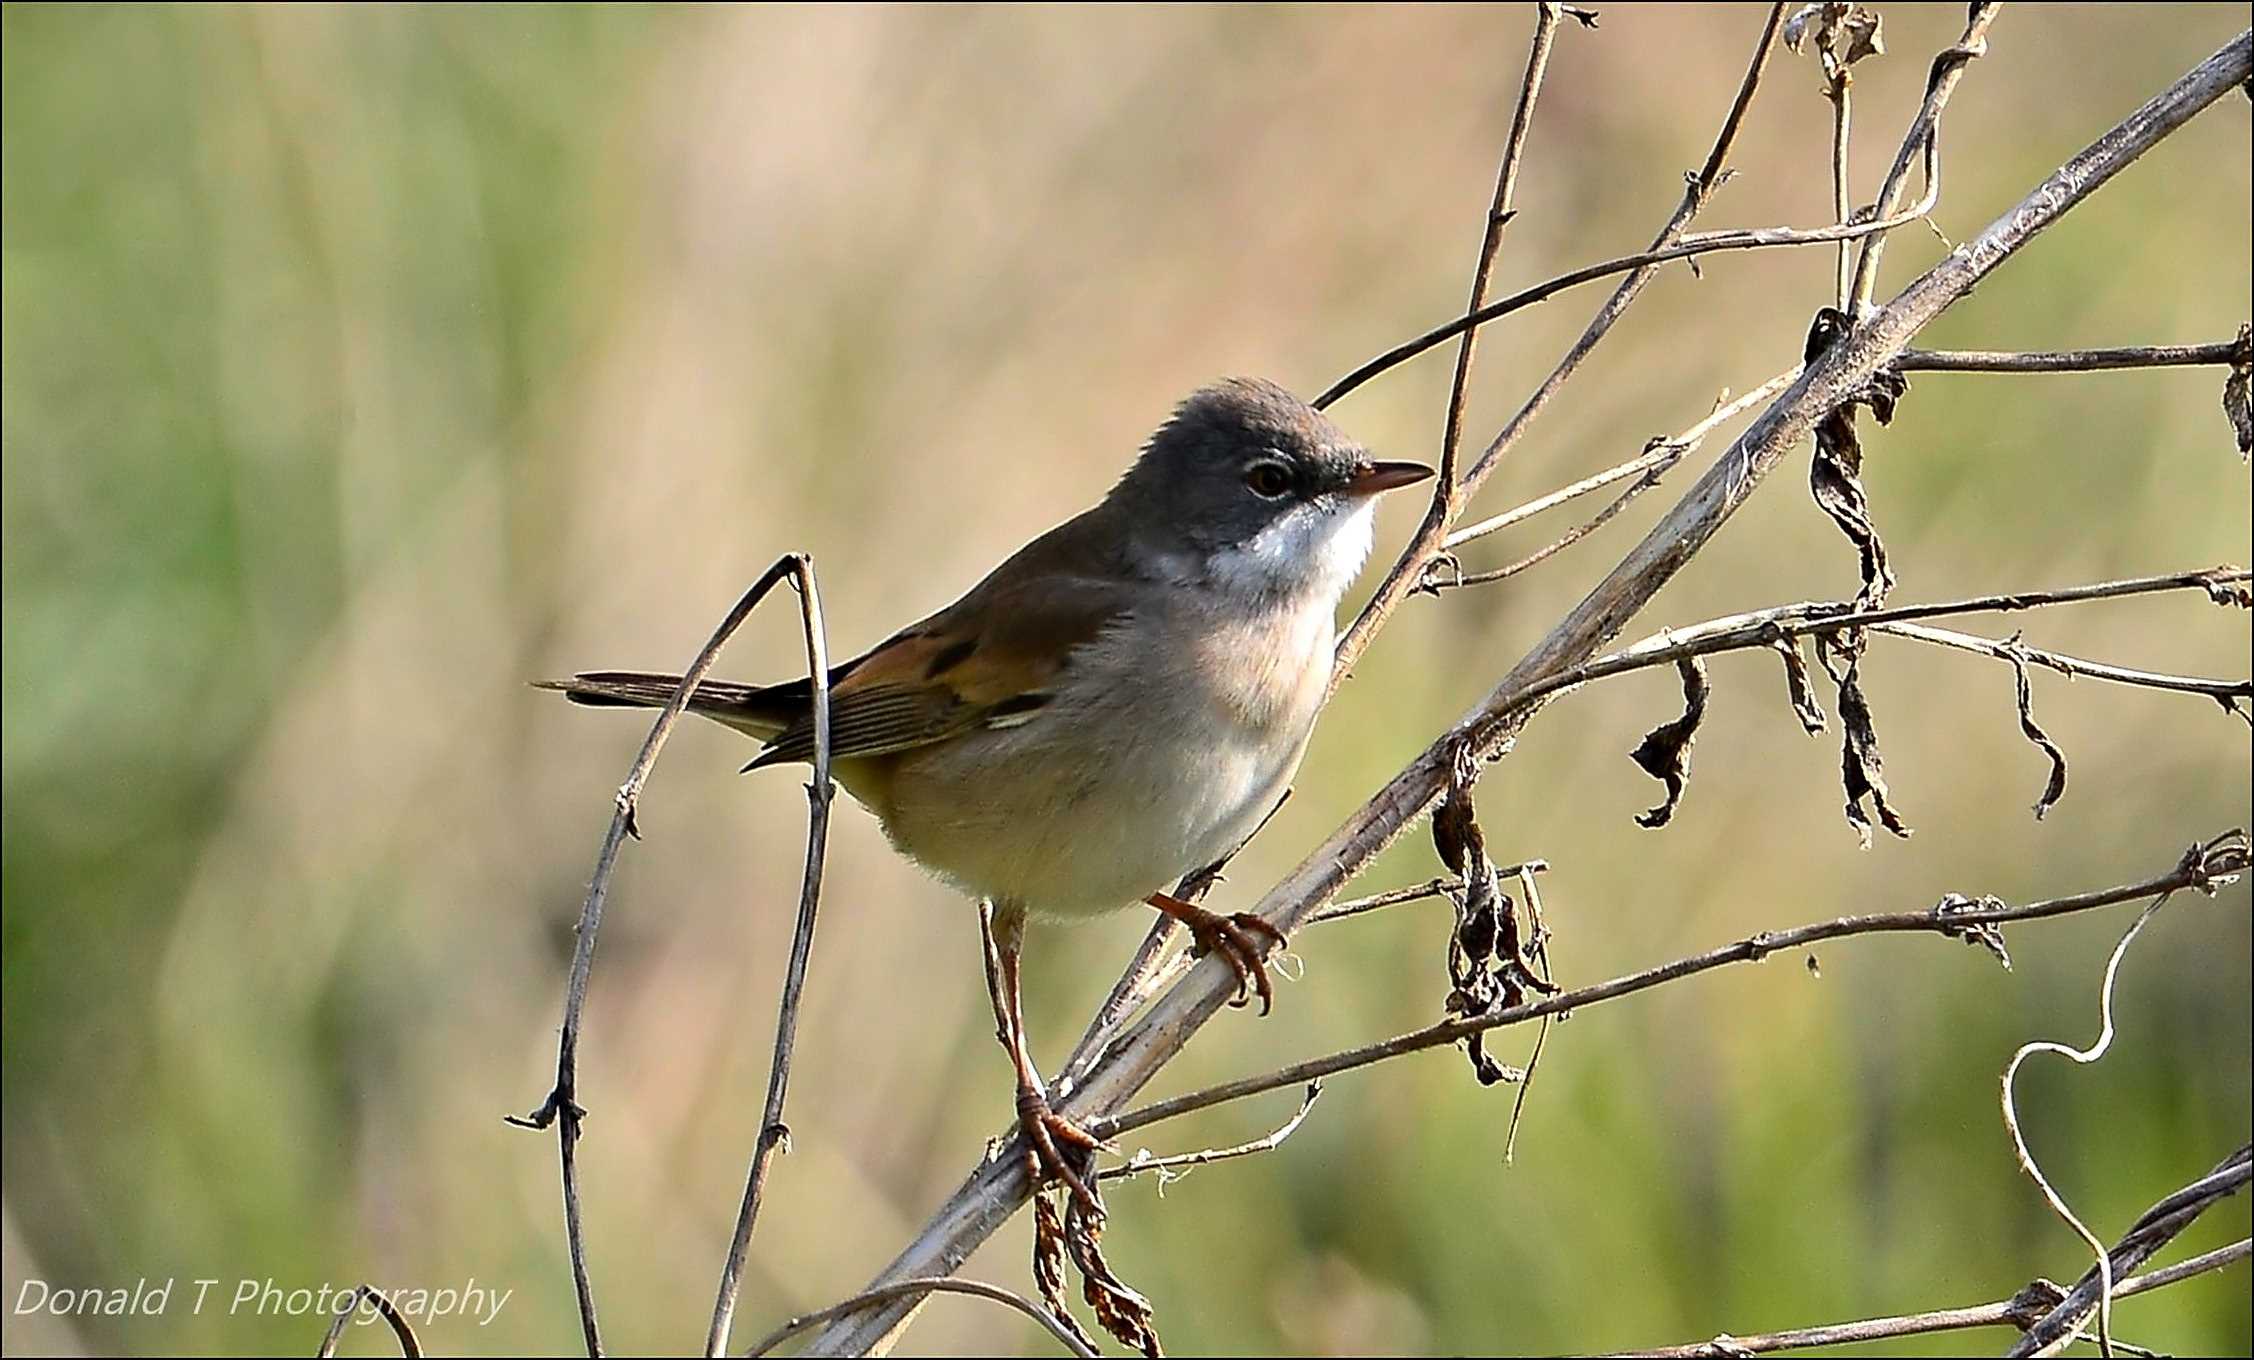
(1167, 743)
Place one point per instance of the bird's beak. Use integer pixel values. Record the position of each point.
(1371, 478)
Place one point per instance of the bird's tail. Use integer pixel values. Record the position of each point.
(755, 710)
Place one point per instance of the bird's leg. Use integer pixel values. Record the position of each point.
(1242, 940)
(1055, 1146)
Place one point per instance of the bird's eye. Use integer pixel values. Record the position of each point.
(1268, 479)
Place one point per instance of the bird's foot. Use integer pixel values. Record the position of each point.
(1056, 1148)
(1242, 939)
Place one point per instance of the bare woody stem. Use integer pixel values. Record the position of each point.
(1923, 138)
(2154, 1229)
(913, 1289)
(1453, 489)
(774, 1135)
(1764, 627)
(2194, 871)
(1659, 456)
(367, 1295)
(562, 1108)
(2066, 360)
(2020, 1310)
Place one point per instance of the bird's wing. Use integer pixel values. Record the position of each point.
(991, 659)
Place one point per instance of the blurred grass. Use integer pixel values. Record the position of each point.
(361, 364)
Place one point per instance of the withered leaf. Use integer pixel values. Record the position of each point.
(2056, 788)
(1122, 1311)
(1666, 750)
(1841, 34)
(1048, 1266)
(1488, 969)
(1804, 705)
(1861, 771)
(1835, 476)
(2238, 392)
(1986, 934)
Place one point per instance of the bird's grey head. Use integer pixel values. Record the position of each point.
(1250, 487)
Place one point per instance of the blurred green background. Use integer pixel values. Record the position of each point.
(364, 363)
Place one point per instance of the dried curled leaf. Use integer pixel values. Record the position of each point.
(2056, 788)
(1666, 750)
(2238, 392)
(1048, 1267)
(1861, 771)
(1488, 965)
(1841, 34)
(1804, 705)
(1122, 1311)
(1835, 477)
(1075, 1235)
(1987, 934)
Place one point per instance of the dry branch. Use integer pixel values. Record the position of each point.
(2022, 1310)
(404, 1331)
(774, 1134)
(937, 1284)
(562, 1108)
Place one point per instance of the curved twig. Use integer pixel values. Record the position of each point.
(1923, 138)
(2154, 1229)
(1170, 1168)
(409, 1346)
(774, 1135)
(562, 1108)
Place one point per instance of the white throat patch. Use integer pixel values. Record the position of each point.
(1317, 550)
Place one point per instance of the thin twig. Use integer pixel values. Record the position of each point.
(1453, 488)
(1661, 455)
(1541, 954)
(1499, 214)
(1438, 887)
(562, 1108)
(2154, 1229)
(1923, 137)
(2221, 691)
(1686, 248)
(995, 1189)
(1843, 207)
(1749, 950)
(2020, 1310)
(1763, 628)
(2064, 360)
(929, 1284)
(400, 1327)
(1169, 1167)
(1408, 569)
(774, 1134)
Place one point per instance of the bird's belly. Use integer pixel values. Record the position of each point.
(1080, 833)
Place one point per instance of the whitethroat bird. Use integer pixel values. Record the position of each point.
(1115, 706)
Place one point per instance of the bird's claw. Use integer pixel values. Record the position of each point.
(1234, 938)
(1055, 1147)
